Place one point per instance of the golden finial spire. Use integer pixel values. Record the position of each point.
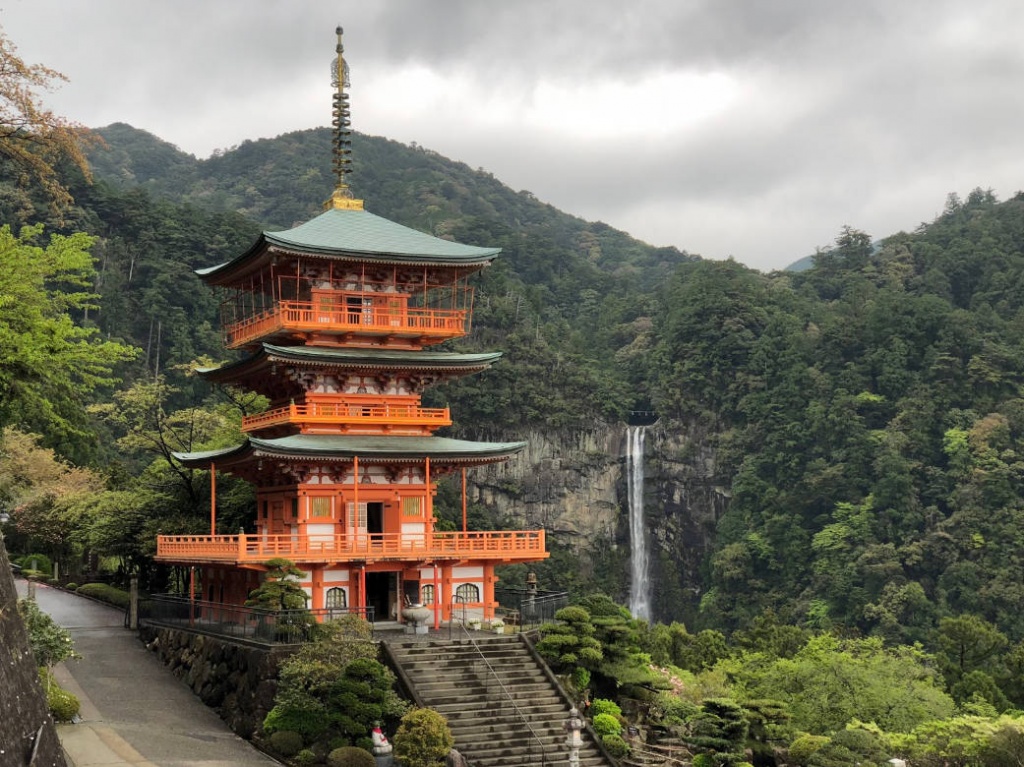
(342, 196)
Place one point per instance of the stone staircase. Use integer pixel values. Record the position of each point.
(501, 704)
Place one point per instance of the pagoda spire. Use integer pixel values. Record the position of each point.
(341, 198)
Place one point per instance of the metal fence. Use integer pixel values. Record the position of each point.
(253, 624)
(530, 607)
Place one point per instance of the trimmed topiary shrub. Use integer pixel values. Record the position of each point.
(350, 756)
(305, 758)
(606, 724)
(616, 746)
(286, 742)
(41, 561)
(804, 747)
(605, 706)
(71, 586)
(105, 593)
(423, 739)
(310, 724)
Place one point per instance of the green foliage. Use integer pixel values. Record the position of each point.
(333, 686)
(607, 724)
(279, 589)
(804, 747)
(42, 563)
(305, 758)
(570, 642)
(605, 706)
(285, 742)
(308, 723)
(719, 731)
(104, 592)
(615, 745)
(350, 756)
(50, 643)
(851, 746)
(423, 739)
(62, 704)
(831, 682)
(50, 361)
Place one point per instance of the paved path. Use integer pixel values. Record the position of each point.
(134, 711)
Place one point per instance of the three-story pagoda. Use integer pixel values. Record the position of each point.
(338, 317)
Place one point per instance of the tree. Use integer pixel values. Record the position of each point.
(48, 363)
(51, 644)
(33, 138)
(423, 739)
(280, 589)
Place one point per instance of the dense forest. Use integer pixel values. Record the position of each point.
(867, 412)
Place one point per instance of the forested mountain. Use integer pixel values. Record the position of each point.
(866, 412)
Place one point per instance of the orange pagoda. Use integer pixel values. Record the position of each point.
(338, 317)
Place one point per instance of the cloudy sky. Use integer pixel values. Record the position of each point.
(747, 128)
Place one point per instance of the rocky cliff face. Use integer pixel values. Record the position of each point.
(574, 485)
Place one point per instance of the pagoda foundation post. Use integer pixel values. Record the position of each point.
(488, 591)
(438, 603)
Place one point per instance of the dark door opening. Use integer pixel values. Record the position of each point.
(375, 521)
(382, 595)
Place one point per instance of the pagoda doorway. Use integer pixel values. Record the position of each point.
(382, 595)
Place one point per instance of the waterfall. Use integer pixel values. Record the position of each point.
(639, 588)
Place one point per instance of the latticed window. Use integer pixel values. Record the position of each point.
(468, 592)
(320, 506)
(411, 506)
(427, 594)
(357, 522)
(336, 598)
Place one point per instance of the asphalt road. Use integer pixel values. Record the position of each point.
(134, 712)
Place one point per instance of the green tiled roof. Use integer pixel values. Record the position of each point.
(353, 358)
(331, 446)
(360, 234)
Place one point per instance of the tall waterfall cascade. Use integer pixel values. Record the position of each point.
(639, 584)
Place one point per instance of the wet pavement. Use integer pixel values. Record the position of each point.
(134, 711)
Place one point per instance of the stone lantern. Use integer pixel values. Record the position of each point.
(574, 739)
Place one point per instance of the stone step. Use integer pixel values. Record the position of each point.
(523, 685)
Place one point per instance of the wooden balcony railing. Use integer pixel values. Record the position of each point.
(505, 545)
(348, 413)
(305, 317)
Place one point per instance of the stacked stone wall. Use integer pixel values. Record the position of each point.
(238, 681)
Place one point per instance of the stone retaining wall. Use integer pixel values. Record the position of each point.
(238, 681)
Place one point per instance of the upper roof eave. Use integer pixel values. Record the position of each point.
(353, 235)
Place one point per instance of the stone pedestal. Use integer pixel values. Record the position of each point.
(417, 618)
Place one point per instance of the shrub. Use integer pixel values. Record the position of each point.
(423, 738)
(606, 724)
(605, 706)
(71, 586)
(286, 742)
(350, 756)
(105, 593)
(42, 563)
(309, 723)
(63, 704)
(616, 746)
(305, 758)
(804, 747)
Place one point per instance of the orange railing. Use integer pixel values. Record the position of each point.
(508, 545)
(304, 316)
(350, 413)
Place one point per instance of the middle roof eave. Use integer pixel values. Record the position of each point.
(389, 359)
(335, 447)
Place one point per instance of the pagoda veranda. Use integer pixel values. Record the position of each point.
(339, 319)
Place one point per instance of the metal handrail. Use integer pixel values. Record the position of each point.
(504, 689)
